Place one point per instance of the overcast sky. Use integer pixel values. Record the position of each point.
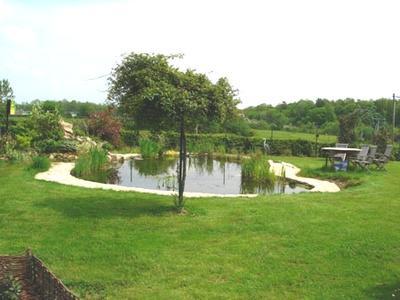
(271, 51)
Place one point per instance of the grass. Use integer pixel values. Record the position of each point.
(288, 135)
(40, 163)
(114, 245)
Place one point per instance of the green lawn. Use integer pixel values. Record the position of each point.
(115, 245)
(288, 135)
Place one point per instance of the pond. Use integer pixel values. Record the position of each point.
(204, 174)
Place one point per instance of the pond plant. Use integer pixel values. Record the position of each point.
(149, 148)
(93, 165)
(256, 168)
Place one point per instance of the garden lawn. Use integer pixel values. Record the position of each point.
(116, 245)
(288, 135)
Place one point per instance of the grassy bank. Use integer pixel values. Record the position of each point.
(117, 245)
(288, 135)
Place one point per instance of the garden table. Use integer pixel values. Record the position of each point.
(332, 151)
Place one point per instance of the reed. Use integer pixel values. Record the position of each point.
(149, 148)
(91, 163)
(256, 168)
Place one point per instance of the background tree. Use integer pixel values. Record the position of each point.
(159, 96)
(6, 91)
(6, 94)
(347, 126)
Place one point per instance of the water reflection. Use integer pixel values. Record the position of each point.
(204, 174)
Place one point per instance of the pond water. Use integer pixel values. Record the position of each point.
(204, 174)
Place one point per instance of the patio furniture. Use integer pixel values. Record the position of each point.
(382, 159)
(363, 160)
(340, 156)
(330, 152)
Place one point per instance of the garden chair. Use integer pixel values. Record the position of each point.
(382, 159)
(362, 159)
(372, 152)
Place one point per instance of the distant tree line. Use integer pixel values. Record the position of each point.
(325, 115)
(67, 108)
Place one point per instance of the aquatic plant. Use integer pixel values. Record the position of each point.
(149, 148)
(92, 165)
(256, 168)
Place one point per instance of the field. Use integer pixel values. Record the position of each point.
(113, 245)
(288, 135)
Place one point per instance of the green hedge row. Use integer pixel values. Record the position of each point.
(232, 143)
(235, 143)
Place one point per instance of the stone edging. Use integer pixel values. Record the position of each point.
(291, 172)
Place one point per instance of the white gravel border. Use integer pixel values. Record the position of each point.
(60, 172)
(291, 172)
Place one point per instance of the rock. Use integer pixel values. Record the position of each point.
(68, 131)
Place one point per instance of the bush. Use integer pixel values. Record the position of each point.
(45, 124)
(23, 141)
(40, 163)
(130, 137)
(106, 126)
(239, 127)
(52, 146)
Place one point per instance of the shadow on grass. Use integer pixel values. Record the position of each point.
(106, 206)
(385, 291)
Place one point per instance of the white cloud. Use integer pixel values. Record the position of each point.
(270, 50)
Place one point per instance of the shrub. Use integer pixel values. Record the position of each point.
(130, 137)
(45, 124)
(23, 141)
(149, 148)
(105, 125)
(52, 146)
(256, 168)
(40, 163)
(238, 126)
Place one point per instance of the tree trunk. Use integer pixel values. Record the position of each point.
(182, 165)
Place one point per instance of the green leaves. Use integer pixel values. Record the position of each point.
(6, 92)
(158, 95)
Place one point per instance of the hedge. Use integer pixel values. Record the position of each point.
(234, 143)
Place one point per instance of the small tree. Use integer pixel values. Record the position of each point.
(159, 96)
